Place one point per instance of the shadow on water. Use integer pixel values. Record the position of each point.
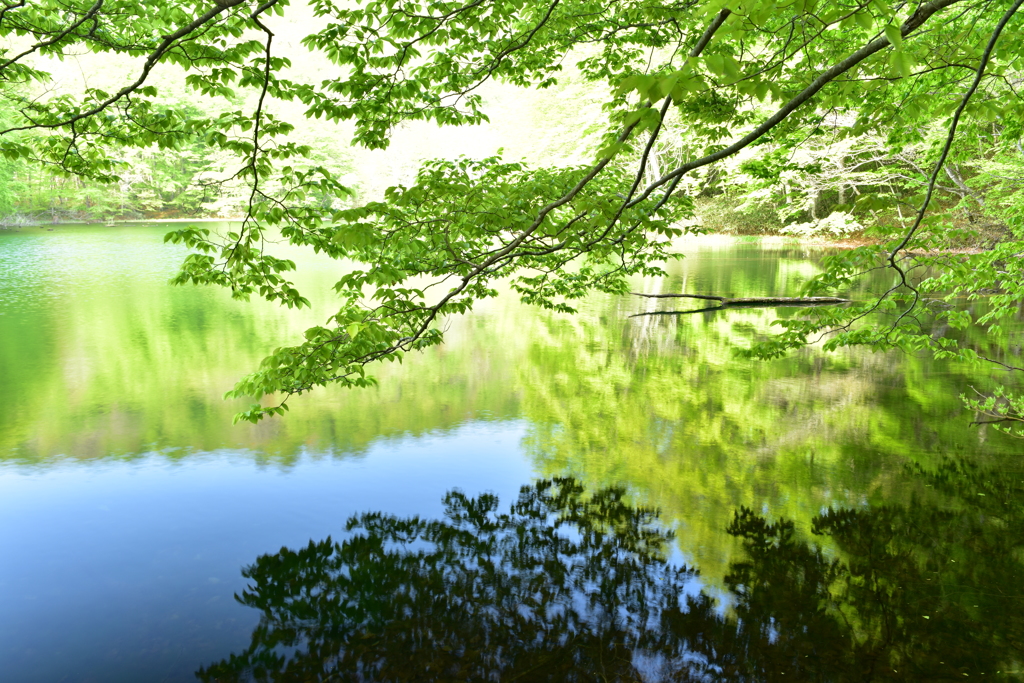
(571, 586)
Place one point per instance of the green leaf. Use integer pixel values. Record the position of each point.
(892, 32)
(901, 63)
(715, 63)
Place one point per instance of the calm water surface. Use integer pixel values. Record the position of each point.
(822, 517)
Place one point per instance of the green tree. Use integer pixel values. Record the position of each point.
(738, 74)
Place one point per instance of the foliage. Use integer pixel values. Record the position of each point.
(837, 224)
(735, 77)
(748, 214)
(452, 226)
(1002, 407)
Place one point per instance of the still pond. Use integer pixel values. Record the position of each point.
(605, 496)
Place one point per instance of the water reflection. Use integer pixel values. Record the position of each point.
(571, 586)
(117, 447)
(563, 587)
(108, 361)
(661, 402)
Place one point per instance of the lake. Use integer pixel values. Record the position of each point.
(682, 514)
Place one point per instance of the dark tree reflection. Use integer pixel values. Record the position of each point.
(574, 587)
(563, 587)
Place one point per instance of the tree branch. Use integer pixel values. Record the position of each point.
(923, 14)
(90, 13)
(151, 61)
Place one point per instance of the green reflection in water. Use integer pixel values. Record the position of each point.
(101, 358)
(662, 403)
(571, 587)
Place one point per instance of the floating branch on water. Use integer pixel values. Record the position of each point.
(693, 310)
(754, 301)
(725, 302)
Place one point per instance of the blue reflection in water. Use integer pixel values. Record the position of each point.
(126, 571)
